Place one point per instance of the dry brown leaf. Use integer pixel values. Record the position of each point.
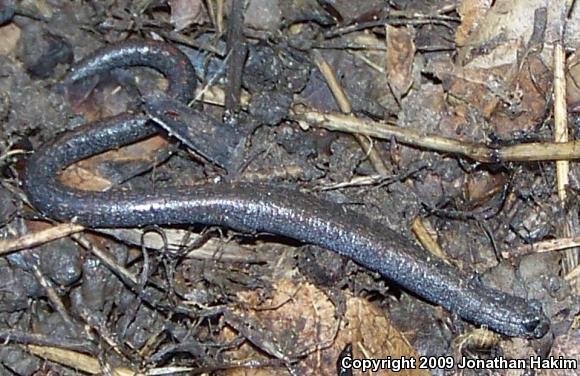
(85, 174)
(566, 346)
(505, 28)
(525, 105)
(573, 82)
(300, 319)
(185, 13)
(373, 336)
(517, 348)
(103, 99)
(481, 186)
(9, 36)
(400, 56)
(515, 104)
(502, 73)
(472, 13)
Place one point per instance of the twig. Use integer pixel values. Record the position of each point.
(120, 271)
(38, 238)
(425, 20)
(78, 361)
(346, 107)
(570, 260)
(25, 338)
(131, 280)
(426, 240)
(560, 119)
(12, 153)
(55, 300)
(215, 10)
(543, 246)
(236, 44)
(528, 152)
(535, 151)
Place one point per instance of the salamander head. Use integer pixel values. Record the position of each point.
(524, 319)
(537, 324)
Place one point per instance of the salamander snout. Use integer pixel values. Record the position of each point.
(538, 324)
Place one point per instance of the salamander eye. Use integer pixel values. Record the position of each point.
(537, 327)
(538, 324)
(540, 328)
(531, 326)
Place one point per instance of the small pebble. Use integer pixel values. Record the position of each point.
(6, 11)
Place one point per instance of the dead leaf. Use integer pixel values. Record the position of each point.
(298, 320)
(400, 56)
(503, 69)
(185, 13)
(512, 99)
(89, 175)
(98, 100)
(505, 28)
(481, 186)
(517, 348)
(472, 13)
(9, 36)
(525, 105)
(573, 82)
(566, 346)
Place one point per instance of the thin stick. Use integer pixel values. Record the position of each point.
(120, 271)
(78, 361)
(25, 338)
(38, 238)
(560, 119)
(535, 151)
(55, 300)
(543, 246)
(528, 152)
(346, 107)
(424, 236)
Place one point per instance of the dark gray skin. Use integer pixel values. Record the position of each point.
(252, 207)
